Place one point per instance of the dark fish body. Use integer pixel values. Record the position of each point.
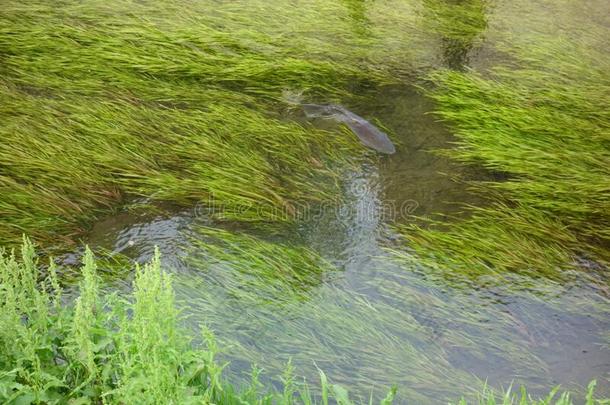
(368, 134)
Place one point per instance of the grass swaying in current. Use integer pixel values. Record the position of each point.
(543, 122)
(106, 102)
(267, 271)
(269, 302)
(104, 106)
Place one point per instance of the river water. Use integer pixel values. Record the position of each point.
(329, 291)
(367, 319)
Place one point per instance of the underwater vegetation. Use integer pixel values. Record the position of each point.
(537, 119)
(65, 162)
(104, 103)
(261, 270)
(269, 302)
(101, 106)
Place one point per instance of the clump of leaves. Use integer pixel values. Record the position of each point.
(112, 349)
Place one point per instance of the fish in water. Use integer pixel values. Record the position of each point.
(368, 134)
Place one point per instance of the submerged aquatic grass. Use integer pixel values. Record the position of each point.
(271, 301)
(101, 105)
(541, 122)
(250, 267)
(107, 101)
(67, 161)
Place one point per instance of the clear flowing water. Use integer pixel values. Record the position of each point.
(366, 317)
(330, 293)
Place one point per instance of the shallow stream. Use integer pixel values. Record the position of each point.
(335, 288)
(366, 317)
